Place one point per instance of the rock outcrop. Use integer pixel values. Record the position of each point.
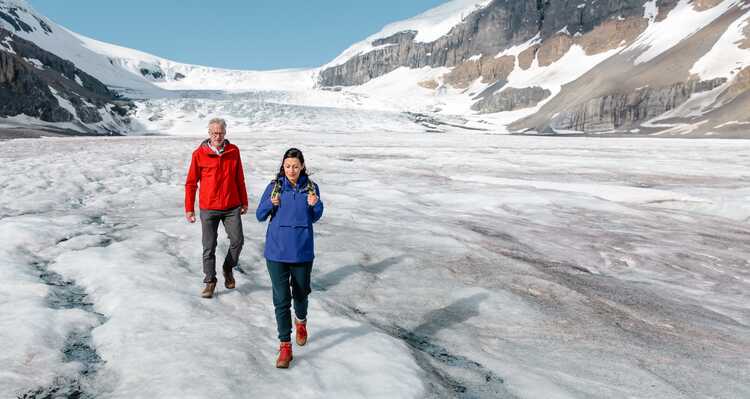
(511, 99)
(620, 111)
(490, 69)
(42, 85)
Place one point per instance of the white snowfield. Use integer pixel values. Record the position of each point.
(726, 57)
(495, 267)
(682, 22)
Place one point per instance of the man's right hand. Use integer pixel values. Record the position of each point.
(276, 200)
(190, 216)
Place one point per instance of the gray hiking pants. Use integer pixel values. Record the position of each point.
(233, 225)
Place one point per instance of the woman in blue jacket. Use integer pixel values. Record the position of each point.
(292, 201)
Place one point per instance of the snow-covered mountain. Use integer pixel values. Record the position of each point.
(36, 85)
(665, 67)
(134, 74)
(659, 66)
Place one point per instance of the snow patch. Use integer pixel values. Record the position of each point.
(726, 57)
(552, 77)
(732, 123)
(64, 103)
(518, 49)
(6, 46)
(683, 21)
(35, 62)
(16, 4)
(697, 105)
(650, 11)
(604, 191)
(198, 77)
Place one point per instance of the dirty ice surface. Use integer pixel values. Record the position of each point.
(489, 267)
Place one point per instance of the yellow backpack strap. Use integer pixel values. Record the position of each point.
(276, 187)
(276, 191)
(311, 187)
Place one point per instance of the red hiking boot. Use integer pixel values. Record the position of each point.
(285, 355)
(300, 328)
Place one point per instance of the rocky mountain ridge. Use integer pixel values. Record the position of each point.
(587, 66)
(39, 84)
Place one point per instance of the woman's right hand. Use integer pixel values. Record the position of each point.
(275, 200)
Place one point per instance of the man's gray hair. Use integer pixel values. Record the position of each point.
(218, 121)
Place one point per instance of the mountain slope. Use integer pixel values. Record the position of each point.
(132, 72)
(631, 66)
(35, 84)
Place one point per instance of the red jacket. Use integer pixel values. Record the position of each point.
(222, 181)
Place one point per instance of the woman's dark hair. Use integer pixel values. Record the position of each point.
(292, 153)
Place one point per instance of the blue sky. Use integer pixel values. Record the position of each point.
(250, 34)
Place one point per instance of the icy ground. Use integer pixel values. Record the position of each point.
(448, 266)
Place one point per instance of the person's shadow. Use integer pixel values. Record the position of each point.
(419, 338)
(334, 277)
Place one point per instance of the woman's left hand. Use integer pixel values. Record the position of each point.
(312, 199)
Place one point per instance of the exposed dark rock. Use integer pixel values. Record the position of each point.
(179, 76)
(27, 90)
(398, 38)
(511, 98)
(14, 21)
(24, 92)
(622, 110)
(44, 25)
(65, 68)
(153, 74)
(122, 108)
(740, 84)
(86, 114)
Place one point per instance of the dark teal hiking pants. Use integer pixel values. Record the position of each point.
(283, 277)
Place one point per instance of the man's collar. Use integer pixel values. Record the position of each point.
(207, 143)
(218, 150)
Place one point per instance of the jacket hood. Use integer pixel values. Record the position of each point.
(227, 146)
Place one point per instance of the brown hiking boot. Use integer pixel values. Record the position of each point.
(208, 290)
(300, 329)
(285, 355)
(229, 279)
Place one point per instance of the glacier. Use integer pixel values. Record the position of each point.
(490, 267)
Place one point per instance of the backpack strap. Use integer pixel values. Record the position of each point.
(276, 191)
(311, 186)
(276, 187)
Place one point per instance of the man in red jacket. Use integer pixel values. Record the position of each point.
(217, 166)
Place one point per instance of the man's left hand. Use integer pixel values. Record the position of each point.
(243, 210)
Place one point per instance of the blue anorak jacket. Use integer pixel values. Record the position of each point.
(289, 237)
